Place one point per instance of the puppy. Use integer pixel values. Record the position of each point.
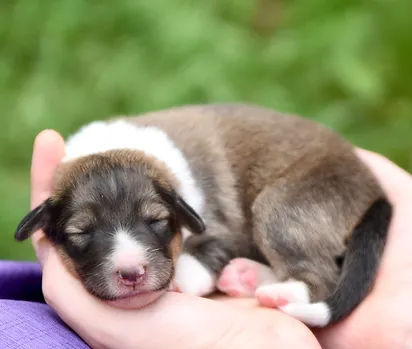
(171, 197)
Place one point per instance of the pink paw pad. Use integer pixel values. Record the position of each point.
(239, 278)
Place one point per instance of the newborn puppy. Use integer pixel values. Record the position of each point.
(169, 198)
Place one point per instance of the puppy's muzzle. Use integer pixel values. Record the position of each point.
(132, 276)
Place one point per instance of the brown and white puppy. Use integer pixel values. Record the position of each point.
(178, 194)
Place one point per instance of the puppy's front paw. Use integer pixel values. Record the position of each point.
(192, 277)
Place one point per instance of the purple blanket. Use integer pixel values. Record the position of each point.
(25, 320)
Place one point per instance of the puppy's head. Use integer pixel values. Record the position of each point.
(116, 219)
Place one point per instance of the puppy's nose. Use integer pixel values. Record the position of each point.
(132, 276)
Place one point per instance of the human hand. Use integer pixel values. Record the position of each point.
(175, 320)
(382, 320)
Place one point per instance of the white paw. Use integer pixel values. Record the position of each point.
(192, 277)
(314, 314)
(281, 294)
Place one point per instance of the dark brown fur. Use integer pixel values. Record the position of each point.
(279, 189)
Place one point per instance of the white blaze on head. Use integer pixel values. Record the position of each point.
(127, 252)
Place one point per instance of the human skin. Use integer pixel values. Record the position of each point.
(177, 320)
(383, 320)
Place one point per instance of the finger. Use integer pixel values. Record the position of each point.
(396, 182)
(48, 151)
(246, 302)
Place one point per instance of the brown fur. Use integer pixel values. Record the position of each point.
(278, 188)
(251, 162)
(68, 173)
(175, 247)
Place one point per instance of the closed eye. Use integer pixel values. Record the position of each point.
(77, 236)
(79, 239)
(158, 223)
(73, 230)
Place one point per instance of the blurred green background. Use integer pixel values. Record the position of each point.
(66, 62)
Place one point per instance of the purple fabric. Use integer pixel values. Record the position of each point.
(25, 320)
(20, 281)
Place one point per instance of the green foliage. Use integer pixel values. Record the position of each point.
(63, 63)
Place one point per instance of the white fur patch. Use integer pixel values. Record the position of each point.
(314, 314)
(292, 291)
(127, 253)
(100, 136)
(297, 293)
(192, 277)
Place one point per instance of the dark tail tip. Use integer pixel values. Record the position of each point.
(362, 260)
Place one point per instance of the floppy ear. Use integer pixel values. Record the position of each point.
(186, 214)
(189, 216)
(36, 219)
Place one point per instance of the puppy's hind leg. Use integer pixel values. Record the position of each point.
(295, 230)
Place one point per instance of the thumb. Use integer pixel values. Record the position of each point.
(396, 182)
(48, 150)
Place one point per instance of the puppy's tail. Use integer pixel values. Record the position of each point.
(359, 270)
